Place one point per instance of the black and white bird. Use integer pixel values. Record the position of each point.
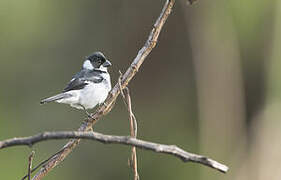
(87, 88)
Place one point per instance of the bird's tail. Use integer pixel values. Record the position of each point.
(55, 98)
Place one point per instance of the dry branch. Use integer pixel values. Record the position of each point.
(133, 127)
(133, 133)
(30, 158)
(109, 102)
(126, 140)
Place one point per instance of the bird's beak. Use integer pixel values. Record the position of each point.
(106, 63)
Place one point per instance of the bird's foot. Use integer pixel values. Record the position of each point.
(89, 115)
(104, 104)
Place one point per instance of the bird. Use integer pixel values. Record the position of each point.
(87, 88)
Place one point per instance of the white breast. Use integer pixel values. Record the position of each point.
(95, 93)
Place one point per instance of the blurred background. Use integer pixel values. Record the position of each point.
(211, 86)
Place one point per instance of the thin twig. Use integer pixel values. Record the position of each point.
(126, 140)
(133, 126)
(42, 163)
(30, 158)
(133, 132)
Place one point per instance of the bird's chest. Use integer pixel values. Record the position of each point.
(93, 94)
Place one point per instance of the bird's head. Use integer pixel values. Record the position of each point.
(96, 61)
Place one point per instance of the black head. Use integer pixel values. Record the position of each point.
(98, 60)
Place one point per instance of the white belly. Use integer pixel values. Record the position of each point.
(93, 94)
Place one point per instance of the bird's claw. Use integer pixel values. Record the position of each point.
(105, 104)
(89, 115)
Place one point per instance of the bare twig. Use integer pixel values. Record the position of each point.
(42, 163)
(109, 102)
(133, 132)
(133, 120)
(30, 158)
(126, 140)
(133, 126)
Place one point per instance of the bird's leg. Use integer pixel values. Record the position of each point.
(88, 114)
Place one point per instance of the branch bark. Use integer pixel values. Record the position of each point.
(109, 102)
(126, 140)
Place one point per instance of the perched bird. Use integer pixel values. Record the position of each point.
(88, 87)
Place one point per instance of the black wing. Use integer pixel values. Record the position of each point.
(81, 79)
(75, 84)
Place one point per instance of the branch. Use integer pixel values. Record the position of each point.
(126, 140)
(109, 102)
(133, 132)
(30, 158)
